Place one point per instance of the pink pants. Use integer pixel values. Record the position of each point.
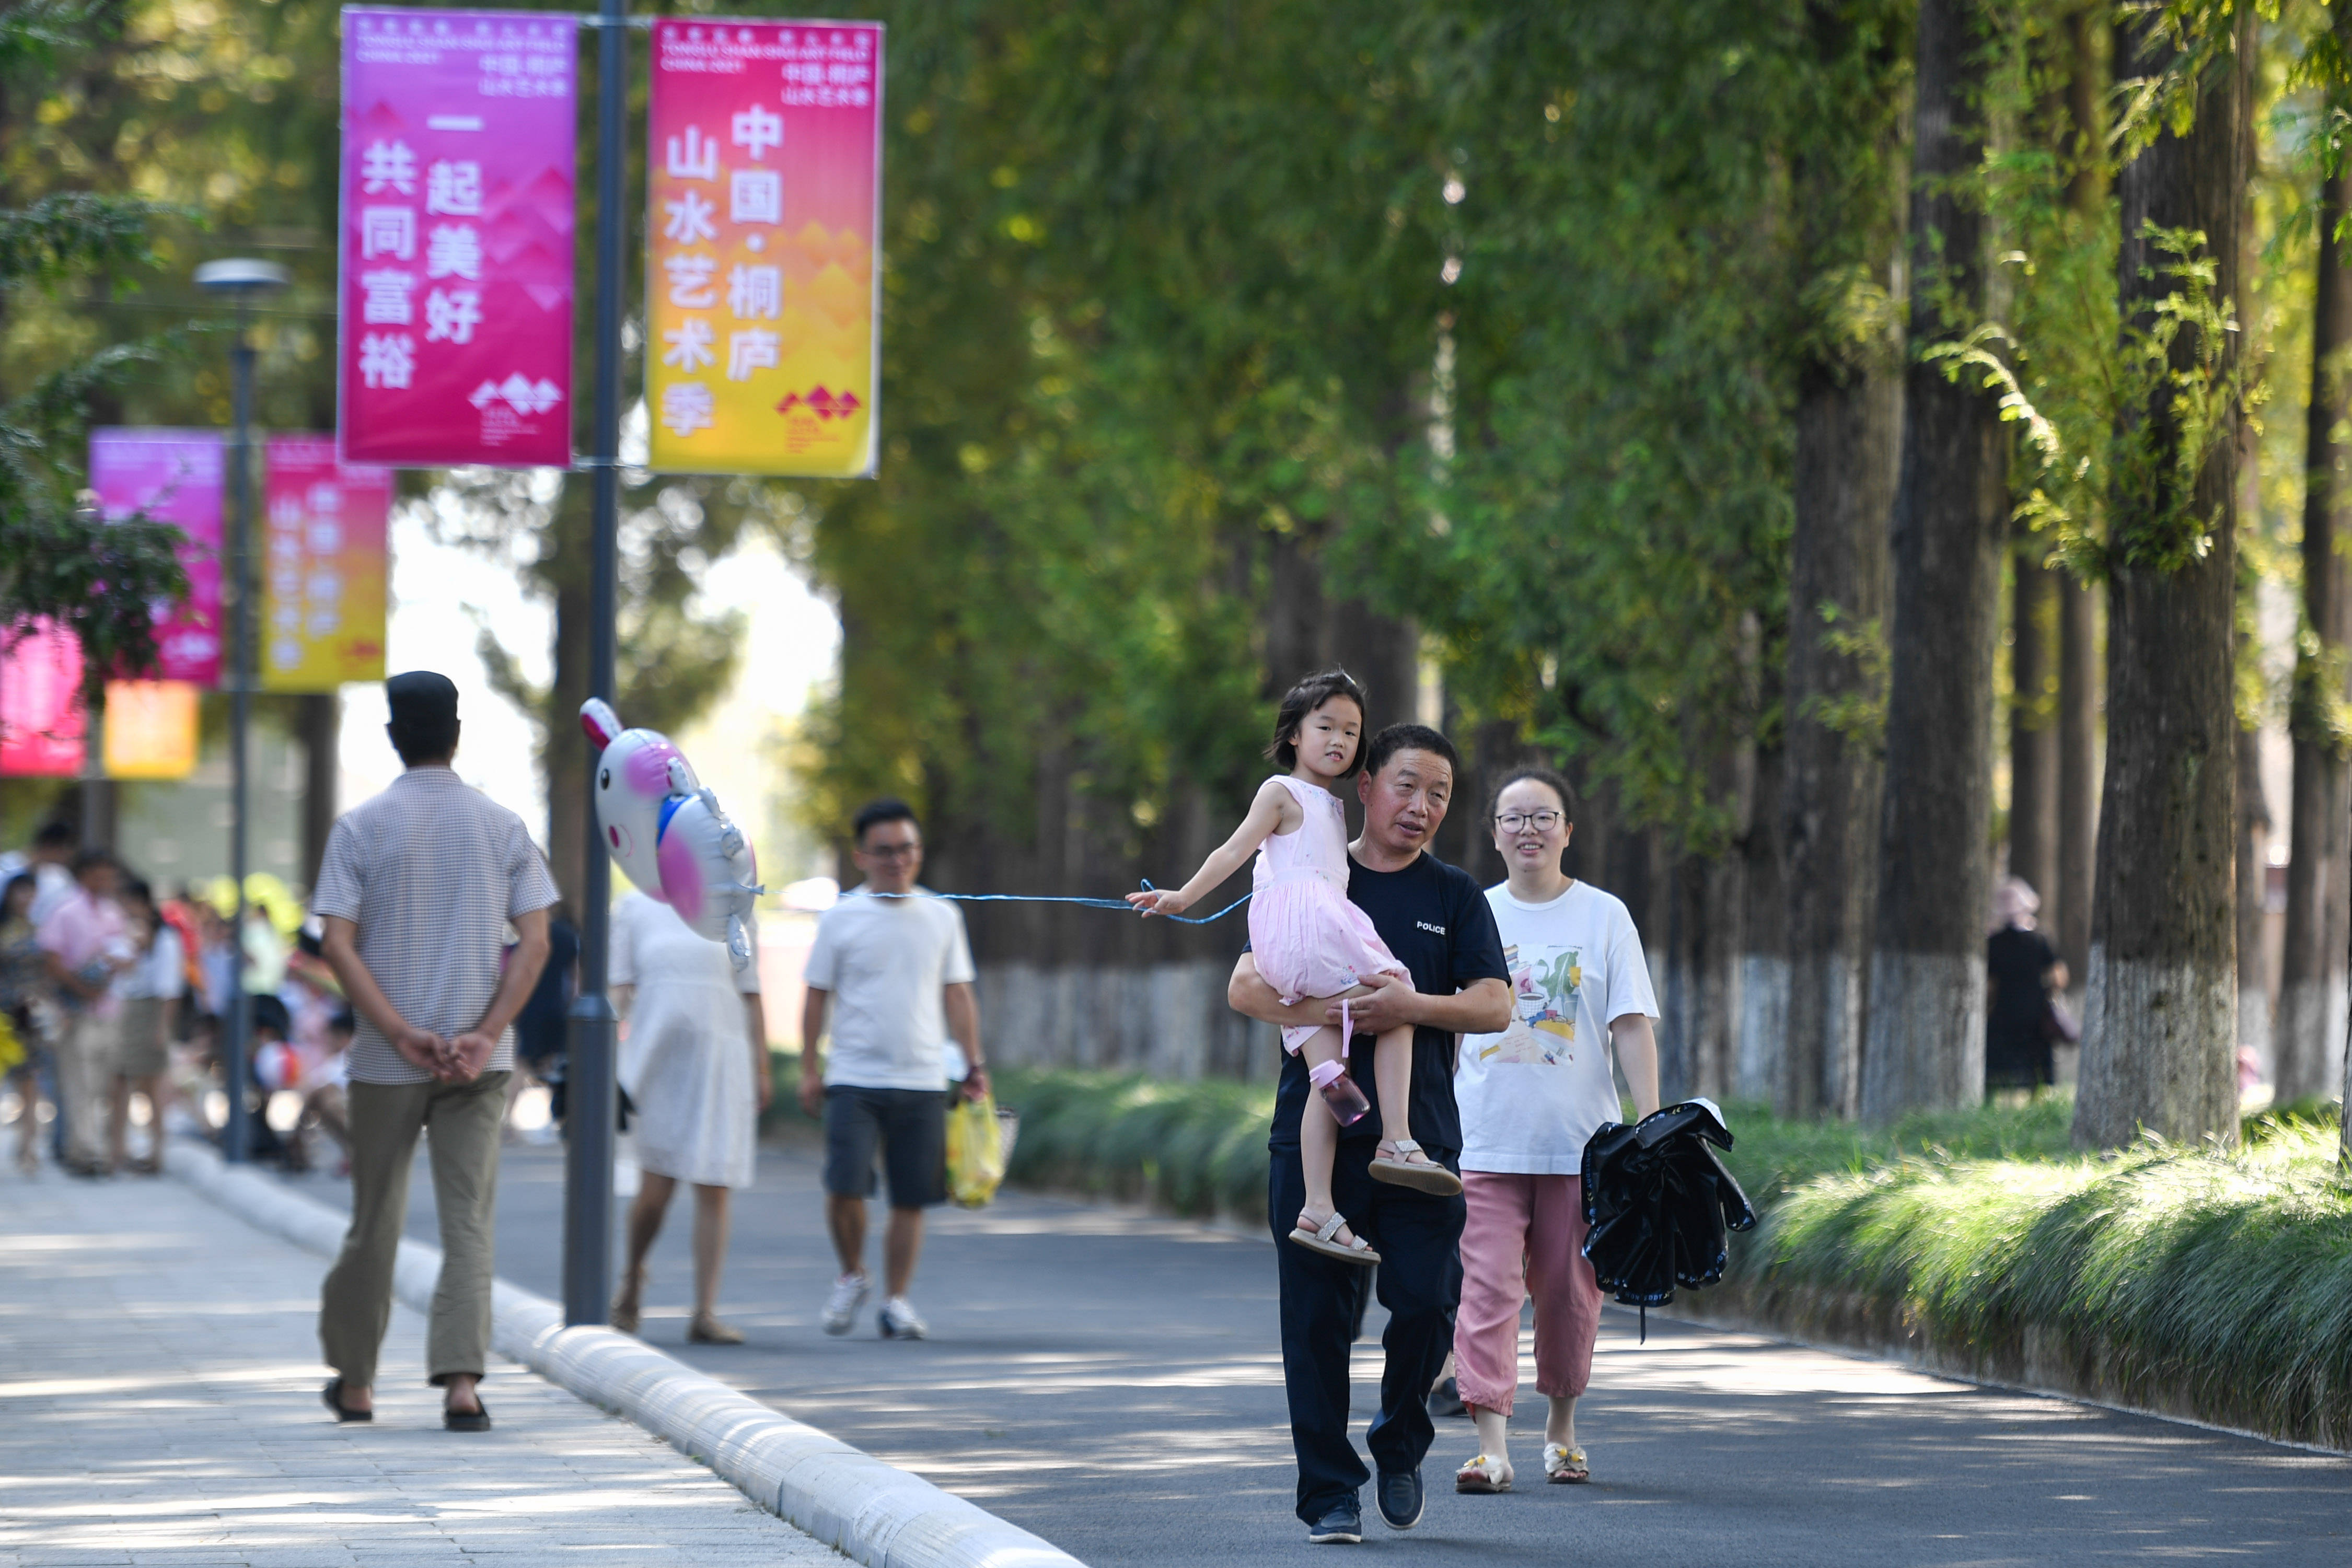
(1523, 1238)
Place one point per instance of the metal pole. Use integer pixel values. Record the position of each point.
(238, 1035)
(589, 1092)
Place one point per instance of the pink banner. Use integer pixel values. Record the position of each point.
(763, 296)
(457, 176)
(40, 702)
(173, 476)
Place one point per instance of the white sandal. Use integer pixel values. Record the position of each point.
(1486, 1474)
(1423, 1175)
(1324, 1238)
(1564, 1465)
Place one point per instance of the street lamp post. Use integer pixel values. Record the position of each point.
(241, 282)
(590, 1100)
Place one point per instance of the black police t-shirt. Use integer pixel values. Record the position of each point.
(1439, 925)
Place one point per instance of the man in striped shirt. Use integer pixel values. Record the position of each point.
(416, 891)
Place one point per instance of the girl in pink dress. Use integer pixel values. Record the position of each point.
(1310, 942)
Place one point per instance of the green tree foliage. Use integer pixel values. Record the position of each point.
(1168, 296)
(59, 560)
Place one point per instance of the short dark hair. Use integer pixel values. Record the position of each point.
(1539, 774)
(90, 860)
(1305, 698)
(343, 1022)
(23, 879)
(136, 887)
(271, 1015)
(874, 813)
(54, 836)
(431, 738)
(1409, 737)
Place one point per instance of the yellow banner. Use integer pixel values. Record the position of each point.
(150, 729)
(323, 567)
(762, 294)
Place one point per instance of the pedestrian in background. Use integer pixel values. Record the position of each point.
(697, 1091)
(417, 890)
(1532, 1096)
(148, 993)
(891, 961)
(48, 861)
(2023, 974)
(24, 988)
(88, 944)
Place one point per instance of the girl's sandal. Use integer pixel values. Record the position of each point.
(1411, 1167)
(1324, 1238)
(1486, 1474)
(1564, 1465)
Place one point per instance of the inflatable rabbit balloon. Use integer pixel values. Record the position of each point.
(639, 772)
(668, 833)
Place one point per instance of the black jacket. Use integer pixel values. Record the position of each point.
(1657, 1203)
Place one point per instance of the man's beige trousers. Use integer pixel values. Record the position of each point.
(461, 1122)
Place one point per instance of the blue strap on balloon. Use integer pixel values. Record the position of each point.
(1119, 903)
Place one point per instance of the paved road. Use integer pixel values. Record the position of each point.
(1112, 1382)
(159, 1406)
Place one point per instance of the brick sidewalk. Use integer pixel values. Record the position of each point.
(159, 1405)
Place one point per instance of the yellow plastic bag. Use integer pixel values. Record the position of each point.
(12, 1050)
(976, 1152)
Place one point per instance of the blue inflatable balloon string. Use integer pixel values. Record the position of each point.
(1119, 903)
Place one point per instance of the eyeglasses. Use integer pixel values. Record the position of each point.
(1519, 821)
(893, 852)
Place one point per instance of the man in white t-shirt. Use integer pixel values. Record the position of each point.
(892, 961)
(1531, 1098)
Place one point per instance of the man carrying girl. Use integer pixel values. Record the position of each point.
(1430, 917)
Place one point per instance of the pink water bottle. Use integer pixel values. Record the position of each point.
(1339, 1092)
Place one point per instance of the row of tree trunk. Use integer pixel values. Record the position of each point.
(1862, 900)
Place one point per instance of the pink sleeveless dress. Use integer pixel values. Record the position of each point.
(1308, 939)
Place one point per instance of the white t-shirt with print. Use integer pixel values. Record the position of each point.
(1532, 1096)
(886, 960)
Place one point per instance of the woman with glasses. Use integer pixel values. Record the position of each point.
(1531, 1097)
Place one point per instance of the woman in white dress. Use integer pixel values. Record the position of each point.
(696, 1064)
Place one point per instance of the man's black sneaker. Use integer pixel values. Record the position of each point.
(1342, 1526)
(1401, 1497)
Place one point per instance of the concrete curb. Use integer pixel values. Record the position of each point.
(874, 1512)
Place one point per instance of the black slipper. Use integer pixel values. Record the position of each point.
(334, 1394)
(474, 1420)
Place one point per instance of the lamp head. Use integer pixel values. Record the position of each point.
(241, 277)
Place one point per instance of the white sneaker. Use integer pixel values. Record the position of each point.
(900, 1321)
(849, 1293)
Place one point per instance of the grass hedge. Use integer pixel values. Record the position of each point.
(2198, 1281)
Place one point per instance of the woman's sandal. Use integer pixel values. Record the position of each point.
(477, 1419)
(334, 1394)
(1324, 1238)
(711, 1331)
(1422, 1175)
(627, 1307)
(1564, 1465)
(1486, 1474)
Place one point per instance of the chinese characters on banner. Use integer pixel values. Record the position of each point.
(173, 476)
(323, 567)
(457, 177)
(40, 702)
(762, 295)
(150, 729)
